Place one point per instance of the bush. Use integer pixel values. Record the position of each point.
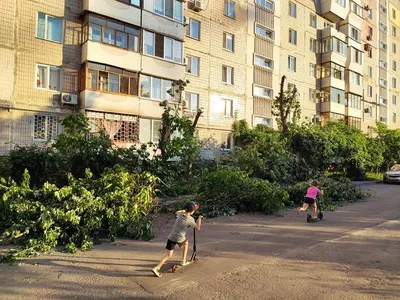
(40, 219)
(229, 190)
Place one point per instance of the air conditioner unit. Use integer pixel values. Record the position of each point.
(367, 7)
(367, 110)
(67, 98)
(185, 21)
(367, 47)
(369, 37)
(198, 5)
(184, 104)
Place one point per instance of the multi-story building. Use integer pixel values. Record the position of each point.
(115, 60)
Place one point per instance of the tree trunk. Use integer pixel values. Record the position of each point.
(283, 117)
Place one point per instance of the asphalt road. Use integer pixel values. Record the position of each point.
(353, 253)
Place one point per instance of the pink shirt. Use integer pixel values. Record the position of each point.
(313, 192)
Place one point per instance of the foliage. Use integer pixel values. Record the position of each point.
(286, 105)
(228, 190)
(40, 219)
(389, 141)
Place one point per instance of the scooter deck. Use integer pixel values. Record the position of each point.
(177, 267)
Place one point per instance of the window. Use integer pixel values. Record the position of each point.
(262, 121)
(354, 122)
(133, 2)
(369, 91)
(382, 27)
(394, 83)
(313, 70)
(394, 100)
(394, 31)
(262, 92)
(48, 77)
(193, 29)
(110, 79)
(383, 82)
(370, 31)
(394, 118)
(382, 45)
(266, 3)
(355, 78)
(370, 71)
(333, 44)
(229, 41)
(292, 63)
(49, 28)
(353, 101)
(313, 45)
(154, 88)
(313, 95)
(394, 65)
(369, 13)
(355, 34)
(227, 75)
(356, 56)
(327, 24)
(172, 9)
(369, 52)
(262, 62)
(228, 107)
(192, 101)
(394, 48)
(383, 64)
(394, 13)
(383, 101)
(341, 2)
(355, 8)
(149, 130)
(331, 70)
(229, 8)
(158, 45)
(382, 9)
(292, 36)
(292, 9)
(262, 31)
(110, 32)
(313, 20)
(192, 65)
(45, 128)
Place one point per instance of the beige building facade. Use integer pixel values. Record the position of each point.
(115, 60)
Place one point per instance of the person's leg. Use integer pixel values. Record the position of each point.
(185, 247)
(304, 208)
(167, 255)
(314, 209)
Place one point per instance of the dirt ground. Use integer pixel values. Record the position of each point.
(353, 253)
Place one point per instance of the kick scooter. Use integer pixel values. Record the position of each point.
(193, 259)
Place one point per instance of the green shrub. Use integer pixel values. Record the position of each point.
(40, 219)
(228, 190)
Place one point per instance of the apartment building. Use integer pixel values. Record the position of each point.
(115, 60)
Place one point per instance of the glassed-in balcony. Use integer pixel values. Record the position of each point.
(334, 10)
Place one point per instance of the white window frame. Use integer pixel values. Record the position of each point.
(271, 62)
(369, 91)
(225, 35)
(394, 99)
(292, 9)
(151, 130)
(225, 101)
(313, 45)
(190, 102)
(292, 35)
(189, 62)
(269, 31)
(231, 81)
(313, 70)
(46, 26)
(227, 9)
(268, 4)
(270, 92)
(292, 59)
(383, 64)
(48, 77)
(173, 10)
(313, 18)
(189, 29)
(151, 87)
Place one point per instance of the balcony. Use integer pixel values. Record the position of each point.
(353, 88)
(332, 107)
(353, 112)
(114, 9)
(163, 25)
(161, 68)
(333, 11)
(328, 82)
(125, 104)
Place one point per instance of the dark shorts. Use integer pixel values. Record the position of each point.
(309, 201)
(171, 245)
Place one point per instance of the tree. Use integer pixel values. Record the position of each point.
(285, 104)
(185, 145)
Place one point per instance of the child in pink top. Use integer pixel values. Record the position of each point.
(310, 198)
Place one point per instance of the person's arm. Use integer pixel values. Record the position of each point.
(198, 222)
(321, 192)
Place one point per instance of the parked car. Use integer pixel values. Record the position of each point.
(393, 175)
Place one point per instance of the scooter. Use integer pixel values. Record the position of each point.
(320, 215)
(193, 258)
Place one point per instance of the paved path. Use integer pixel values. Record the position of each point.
(354, 253)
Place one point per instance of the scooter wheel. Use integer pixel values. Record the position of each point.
(196, 260)
(308, 218)
(320, 215)
(173, 269)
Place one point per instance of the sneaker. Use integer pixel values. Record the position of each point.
(185, 263)
(156, 272)
(314, 218)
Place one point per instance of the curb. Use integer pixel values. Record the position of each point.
(367, 182)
